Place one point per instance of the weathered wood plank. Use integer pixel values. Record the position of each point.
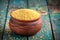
(45, 32)
(55, 20)
(13, 4)
(3, 8)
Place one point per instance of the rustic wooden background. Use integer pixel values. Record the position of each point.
(51, 21)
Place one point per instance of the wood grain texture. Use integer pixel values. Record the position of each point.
(13, 5)
(45, 32)
(3, 8)
(39, 5)
(55, 20)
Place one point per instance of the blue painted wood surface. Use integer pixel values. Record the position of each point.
(3, 10)
(39, 5)
(55, 20)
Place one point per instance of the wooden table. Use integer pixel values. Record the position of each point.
(50, 27)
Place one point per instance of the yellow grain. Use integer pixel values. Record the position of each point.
(25, 14)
